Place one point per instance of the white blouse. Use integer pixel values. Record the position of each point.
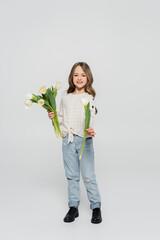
(71, 114)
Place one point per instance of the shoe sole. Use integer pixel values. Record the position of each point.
(77, 215)
(92, 221)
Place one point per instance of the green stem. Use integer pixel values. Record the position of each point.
(85, 134)
(56, 126)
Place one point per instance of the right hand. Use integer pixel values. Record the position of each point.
(51, 114)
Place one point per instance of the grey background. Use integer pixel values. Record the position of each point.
(39, 43)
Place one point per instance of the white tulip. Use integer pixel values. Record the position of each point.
(29, 96)
(84, 101)
(54, 85)
(57, 85)
(27, 103)
(43, 89)
(41, 101)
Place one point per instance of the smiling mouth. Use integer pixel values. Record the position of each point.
(79, 82)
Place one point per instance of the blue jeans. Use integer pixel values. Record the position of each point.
(73, 166)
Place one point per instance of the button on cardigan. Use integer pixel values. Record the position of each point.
(71, 114)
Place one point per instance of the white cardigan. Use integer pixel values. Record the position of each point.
(71, 114)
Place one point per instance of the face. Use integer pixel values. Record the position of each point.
(79, 78)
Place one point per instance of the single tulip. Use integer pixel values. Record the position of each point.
(86, 103)
(57, 85)
(28, 103)
(29, 96)
(42, 90)
(41, 101)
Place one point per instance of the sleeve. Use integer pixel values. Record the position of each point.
(92, 109)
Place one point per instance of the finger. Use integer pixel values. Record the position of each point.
(88, 129)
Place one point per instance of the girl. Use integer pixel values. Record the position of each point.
(71, 117)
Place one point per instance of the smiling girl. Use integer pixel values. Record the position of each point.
(71, 117)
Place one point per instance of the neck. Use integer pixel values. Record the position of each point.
(76, 91)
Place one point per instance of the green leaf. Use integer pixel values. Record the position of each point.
(52, 100)
(34, 101)
(54, 92)
(39, 97)
(46, 94)
(46, 107)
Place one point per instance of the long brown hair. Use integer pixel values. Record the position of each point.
(88, 87)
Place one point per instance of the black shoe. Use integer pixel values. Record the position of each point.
(71, 214)
(96, 215)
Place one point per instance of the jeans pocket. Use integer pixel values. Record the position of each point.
(89, 138)
(89, 141)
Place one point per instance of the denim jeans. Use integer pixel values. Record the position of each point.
(73, 166)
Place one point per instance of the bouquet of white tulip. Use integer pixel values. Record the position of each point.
(47, 100)
(86, 103)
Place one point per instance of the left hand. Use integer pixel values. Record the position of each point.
(90, 132)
